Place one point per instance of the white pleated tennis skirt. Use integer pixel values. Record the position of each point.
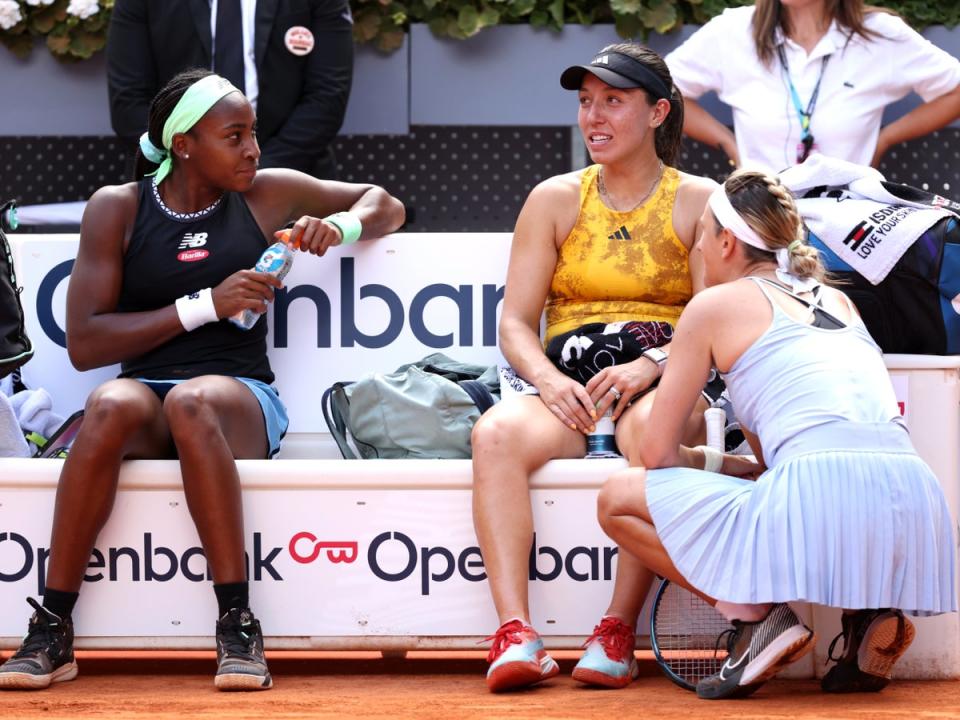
(862, 528)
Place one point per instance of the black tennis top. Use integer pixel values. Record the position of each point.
(173, 254)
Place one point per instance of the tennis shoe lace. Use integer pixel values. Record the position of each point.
(731, 634)
(237, 642)
(41, 632)
(615, 636)
(506, 635)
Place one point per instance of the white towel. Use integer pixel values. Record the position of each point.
(12, 442)
(34, 412)
(856, 216)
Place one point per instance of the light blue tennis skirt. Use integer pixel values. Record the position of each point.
(861, 528)
(275, 418)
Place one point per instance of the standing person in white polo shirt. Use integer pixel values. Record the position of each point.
(812, 75)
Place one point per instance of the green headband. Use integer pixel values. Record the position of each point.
(195, 103)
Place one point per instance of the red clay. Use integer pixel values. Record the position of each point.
(432, 686)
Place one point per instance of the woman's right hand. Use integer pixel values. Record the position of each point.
(742, 466)
(568, 400)
(244, 290)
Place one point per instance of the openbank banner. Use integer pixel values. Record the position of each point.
(368, 307)
(330, 563)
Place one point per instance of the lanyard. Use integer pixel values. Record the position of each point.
(804, 115)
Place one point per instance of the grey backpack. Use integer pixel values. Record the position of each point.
(425, 409)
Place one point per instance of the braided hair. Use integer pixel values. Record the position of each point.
(769, 209)
(160, 108)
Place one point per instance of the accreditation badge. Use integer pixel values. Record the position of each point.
(299, 40)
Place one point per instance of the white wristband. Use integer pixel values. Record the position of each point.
(712, 458)
(196, 309)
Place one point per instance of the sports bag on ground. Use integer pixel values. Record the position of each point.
(425, 409)
(15, 346)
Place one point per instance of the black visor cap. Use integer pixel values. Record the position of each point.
(617, 70)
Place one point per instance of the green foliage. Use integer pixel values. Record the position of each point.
(384, 22)
(633, 18)
(68, 36)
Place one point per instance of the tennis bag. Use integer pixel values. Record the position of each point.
(425, 409)
(916, 308)
(15, 346)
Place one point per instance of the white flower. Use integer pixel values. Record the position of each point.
(83, 8)
(9, 14)
(40, 2)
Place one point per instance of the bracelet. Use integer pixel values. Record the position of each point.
(712, 458)
(348, 224)
(196, 309)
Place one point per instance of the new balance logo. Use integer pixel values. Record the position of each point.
(621, 234)
(860, 233)
(193, 240)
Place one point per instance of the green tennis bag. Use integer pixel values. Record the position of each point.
(425, 409)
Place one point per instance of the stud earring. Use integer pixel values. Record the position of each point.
(186, 156)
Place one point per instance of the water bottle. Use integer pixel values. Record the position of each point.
(277, 261)
(601, 443)
(8, 217)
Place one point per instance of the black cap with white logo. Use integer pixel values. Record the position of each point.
(619, 71)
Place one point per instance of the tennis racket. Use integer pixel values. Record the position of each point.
(684, 631)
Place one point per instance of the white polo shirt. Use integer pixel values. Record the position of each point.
(861, 78)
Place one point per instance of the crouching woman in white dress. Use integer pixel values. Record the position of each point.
(842, 511)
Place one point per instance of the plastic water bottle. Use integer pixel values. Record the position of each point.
(602, 443)
(277, 261)
(8, 217)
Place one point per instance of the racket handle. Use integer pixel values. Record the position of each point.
(716, 420)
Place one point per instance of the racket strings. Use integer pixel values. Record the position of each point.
(689, 636)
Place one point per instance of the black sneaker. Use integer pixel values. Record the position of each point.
(240, 662)
(873, 640)
(45, 655)
(756, 651)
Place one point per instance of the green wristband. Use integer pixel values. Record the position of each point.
(348, 224)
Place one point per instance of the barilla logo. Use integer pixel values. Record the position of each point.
(193, 255)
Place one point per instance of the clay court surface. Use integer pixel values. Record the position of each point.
(430, 686)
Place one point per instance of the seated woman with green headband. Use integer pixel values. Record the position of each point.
(163, 262)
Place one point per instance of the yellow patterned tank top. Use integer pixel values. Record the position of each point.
(617, 266)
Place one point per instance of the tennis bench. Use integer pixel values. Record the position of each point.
(364, 554)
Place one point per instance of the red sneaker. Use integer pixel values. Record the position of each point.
(517, 658)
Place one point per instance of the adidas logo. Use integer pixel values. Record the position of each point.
(621, 234)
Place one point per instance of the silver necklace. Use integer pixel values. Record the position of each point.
(609, 201)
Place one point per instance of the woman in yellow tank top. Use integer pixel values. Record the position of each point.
(611, 242)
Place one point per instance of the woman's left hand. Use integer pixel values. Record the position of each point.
(312, 235)
(617, 385)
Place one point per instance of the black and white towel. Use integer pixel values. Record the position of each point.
(585, 351)
(868, 222)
